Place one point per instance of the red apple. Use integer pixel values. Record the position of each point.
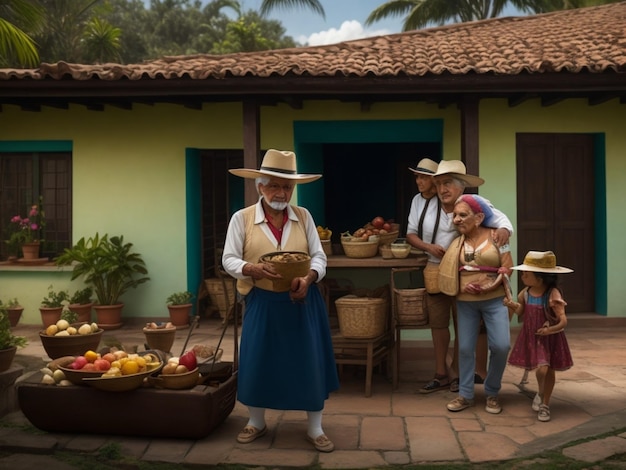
(378, 222)
(387, 226)
(188, 360)
(79, 362)
(89, 366)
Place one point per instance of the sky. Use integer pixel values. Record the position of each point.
(345, 21)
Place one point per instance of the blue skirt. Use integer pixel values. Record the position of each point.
(287, 360)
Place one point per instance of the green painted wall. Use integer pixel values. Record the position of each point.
(131, 170)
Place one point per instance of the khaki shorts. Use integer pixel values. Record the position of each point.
(439, 310)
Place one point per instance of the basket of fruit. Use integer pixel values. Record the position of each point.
(160, 335)
(289, 264)
(65, 339)
(325, 236)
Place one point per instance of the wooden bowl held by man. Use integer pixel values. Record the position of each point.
(289, 264)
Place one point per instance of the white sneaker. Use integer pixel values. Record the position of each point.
(537, 401)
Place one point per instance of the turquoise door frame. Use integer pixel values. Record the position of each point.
(310, 136)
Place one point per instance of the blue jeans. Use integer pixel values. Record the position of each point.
(496, 319)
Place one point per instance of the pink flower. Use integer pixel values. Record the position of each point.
(16, 219)
(34, 226)
(33, 211)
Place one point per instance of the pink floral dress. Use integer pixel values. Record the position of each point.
(530, 350)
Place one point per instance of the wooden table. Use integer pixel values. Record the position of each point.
(342, 261)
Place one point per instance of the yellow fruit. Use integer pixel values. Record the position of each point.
(116, 364)
(91, 356)
(130, 367)
(141, 362)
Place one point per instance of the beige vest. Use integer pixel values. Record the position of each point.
(257, 244)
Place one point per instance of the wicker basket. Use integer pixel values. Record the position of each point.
(410, 307)
(388, 238)
(359, 249)
(327, 247)
(289, 264)
(215, 287)
(362, 317)
(408, 304)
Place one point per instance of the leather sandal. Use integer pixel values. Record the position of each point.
(249, 434)
(454, 385)
(435, 385)
(321, 443)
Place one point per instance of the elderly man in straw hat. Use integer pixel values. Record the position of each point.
(287, 360)
(431, 229)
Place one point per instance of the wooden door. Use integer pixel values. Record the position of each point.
(555, 201)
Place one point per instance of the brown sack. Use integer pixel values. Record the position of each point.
(431, 278)
(449, 268)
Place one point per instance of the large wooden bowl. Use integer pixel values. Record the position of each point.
(77, 376)
(73, 345)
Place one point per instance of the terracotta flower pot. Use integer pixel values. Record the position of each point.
(109, 317)
(15, 313)
(83, 311)
(6, 357)
(179, 314)
(30, 250)
(50, 315)
(161, 339)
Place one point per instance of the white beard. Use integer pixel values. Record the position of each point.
(278, 206)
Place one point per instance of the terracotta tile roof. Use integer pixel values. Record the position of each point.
(589, 39)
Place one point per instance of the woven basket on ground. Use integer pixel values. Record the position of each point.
(215, 287)
(362, 317)
(360, 249)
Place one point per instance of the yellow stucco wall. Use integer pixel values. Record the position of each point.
(129, 173)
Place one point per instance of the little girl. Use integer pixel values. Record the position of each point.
(541, 343)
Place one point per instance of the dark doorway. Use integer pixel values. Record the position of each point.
(555, 208)
(363, 181)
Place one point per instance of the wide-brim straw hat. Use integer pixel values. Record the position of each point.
(541, 262)
(425, 166)
(456, 169)
(277, 163)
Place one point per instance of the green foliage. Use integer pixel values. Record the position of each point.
(108, 265)
(11, 303)
(68, 315)
(7, 338)
(17, 47)
(179, 298)
(55, 299)
(82, 296)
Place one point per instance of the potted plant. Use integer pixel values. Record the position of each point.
(52, 306)
(26, 232)
(179, 305)
(110, 267)
(81, 303)
(14, 310)
(8, 341)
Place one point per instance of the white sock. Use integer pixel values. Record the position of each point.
(315, 424)
(257, 417)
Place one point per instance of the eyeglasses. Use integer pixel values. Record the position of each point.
(277, 187)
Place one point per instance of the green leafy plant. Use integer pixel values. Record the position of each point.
(108, 265)
(82, 296)
(11, 303)
(7, 338)
(179, 298)
(67, 314)
(55, 299)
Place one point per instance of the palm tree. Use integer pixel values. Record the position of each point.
(314, 5)
(15, 44)
(420, 13)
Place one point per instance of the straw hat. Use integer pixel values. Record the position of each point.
(425, 167)
(456, 168)
(541, 262)
(277, 163)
